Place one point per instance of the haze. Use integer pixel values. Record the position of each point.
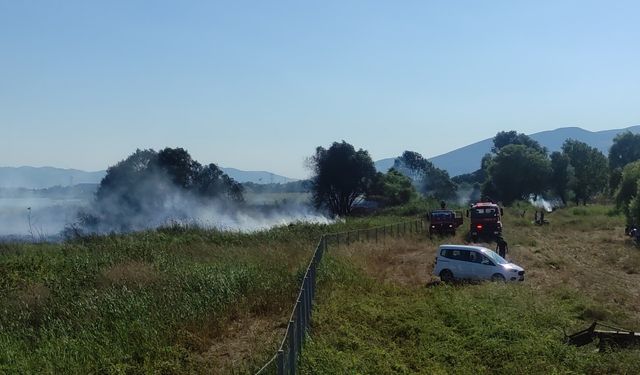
(258, 85)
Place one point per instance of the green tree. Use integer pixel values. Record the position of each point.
(624, 150)
(628, 187)
(561, 175)
(411, 164)
(142, 187)
(516, 172)
(505, 138)
(633, 216)
(429, 180)
(590, 169)
(341, 175)
(391, 188)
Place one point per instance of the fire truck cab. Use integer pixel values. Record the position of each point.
(444, 221)
(485, 220)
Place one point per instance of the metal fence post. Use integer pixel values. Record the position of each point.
(293, 355)
(280, 362)
(300, 330)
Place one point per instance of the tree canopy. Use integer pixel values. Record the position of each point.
(624, 150)
(429, 180)
(147, 182)
(516, 172)
(341, 175)
(590, 169)
(505, 138)
(562, 175)
(628, 187)
(391, 188)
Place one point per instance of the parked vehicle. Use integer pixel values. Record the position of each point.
(462, 262)
(486, 220)
(444, 221)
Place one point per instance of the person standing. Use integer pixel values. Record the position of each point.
(502, 247)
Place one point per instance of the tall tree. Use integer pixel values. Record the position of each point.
(590, 169)
(624, 150)
(391, 188)
(428, 179)
(146, 184)
(411, 164)
(628, 187)
(505, 138)
(341, 175)
(561, 175)
(516, 172)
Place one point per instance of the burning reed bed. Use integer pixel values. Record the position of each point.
(172, 300)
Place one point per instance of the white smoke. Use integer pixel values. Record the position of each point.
(40, 219)
(540, 202)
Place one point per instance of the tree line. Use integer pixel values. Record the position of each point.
(517, 168)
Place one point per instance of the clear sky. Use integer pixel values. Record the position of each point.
(257, 85)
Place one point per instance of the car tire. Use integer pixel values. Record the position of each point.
(498, 278)
(446, 276)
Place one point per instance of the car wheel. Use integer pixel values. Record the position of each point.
(498, 277)
(446, 276)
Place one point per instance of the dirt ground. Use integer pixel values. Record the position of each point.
(601, 264)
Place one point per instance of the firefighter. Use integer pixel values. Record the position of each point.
(501, 246)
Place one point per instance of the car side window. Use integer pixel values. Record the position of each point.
(455, 254)
(486, 261)
(463, 255)
(475, 257)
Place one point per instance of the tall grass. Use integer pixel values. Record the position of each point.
(174, 300)
(379, 310)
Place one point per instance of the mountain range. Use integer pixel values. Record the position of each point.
(44, 177)
(467, 159)
(462, 160)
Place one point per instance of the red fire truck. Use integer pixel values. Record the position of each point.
(486, 220)
(444, 221)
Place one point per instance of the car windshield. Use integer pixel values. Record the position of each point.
(484, 212)
(497, 259)
(441, 215)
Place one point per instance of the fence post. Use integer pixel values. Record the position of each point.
(293, 355)
(309, 299)
(300, 330)
(280, 362)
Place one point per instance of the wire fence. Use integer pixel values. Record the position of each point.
(286, 360)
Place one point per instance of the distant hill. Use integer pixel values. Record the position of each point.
(45, 177)
(257, 177)
(467, 159)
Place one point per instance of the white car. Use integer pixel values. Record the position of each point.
(462, 262)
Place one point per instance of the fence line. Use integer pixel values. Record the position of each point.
(286, 359)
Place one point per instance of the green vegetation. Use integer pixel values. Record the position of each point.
(174, 300)
(183, 300)
(379, 310)
(431, 181)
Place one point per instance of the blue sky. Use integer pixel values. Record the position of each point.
(257, 85)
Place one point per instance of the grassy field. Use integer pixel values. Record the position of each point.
(381, 312)
(191, 301)
(168, 301)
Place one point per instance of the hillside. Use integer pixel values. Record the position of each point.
(467, 159)
(45, 177)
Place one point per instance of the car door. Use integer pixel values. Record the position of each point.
(483, 267)
(461, 264)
